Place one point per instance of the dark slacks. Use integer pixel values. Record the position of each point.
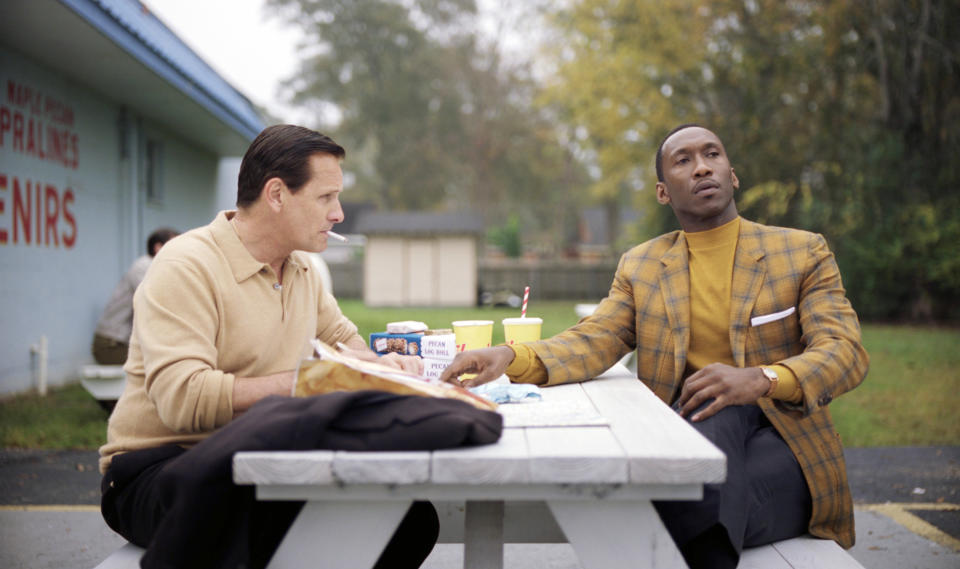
(765, 497)
(109, 352)
(183, 507)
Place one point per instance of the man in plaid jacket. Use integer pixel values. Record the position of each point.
(746, 331)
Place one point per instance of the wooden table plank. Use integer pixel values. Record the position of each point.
(393, 467)
(661, 446)
(501, 463)
(576, 455)
(811, 553)
(763, 557)
(560, 406)
(284, 467)
(508, 492)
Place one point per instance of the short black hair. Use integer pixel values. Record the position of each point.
(160, 236)
(281, 151)
(659, 159)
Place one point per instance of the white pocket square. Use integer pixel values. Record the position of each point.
(772, 317)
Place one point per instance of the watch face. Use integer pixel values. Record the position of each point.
(771, 375)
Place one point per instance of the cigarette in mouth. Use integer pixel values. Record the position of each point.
(336, 236)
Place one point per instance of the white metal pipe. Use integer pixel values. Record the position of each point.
(41, 350)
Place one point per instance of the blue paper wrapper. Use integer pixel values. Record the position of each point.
(501, 393)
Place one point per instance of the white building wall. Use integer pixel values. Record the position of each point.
(227, 172)
(59, 262)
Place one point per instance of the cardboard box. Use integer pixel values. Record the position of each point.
(440, 347)
(406, 344)
(433, 368)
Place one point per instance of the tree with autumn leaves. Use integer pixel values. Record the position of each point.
(840, 116)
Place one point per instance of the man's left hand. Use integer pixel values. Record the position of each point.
(726, 385)
(409, 364)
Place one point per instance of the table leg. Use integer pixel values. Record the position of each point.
(339, 535)
(616, 534)
(483, 535)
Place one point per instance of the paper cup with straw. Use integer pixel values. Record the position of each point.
(523, 329)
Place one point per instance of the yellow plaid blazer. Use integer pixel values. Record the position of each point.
(648, 310)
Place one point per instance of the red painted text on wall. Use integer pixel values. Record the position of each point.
(40, 214)
(38, 125)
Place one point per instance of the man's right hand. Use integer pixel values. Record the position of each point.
(487, 363)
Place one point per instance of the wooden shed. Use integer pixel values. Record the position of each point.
(420, 259)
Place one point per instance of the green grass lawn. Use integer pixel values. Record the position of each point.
(911, 393)
(909, 398)
(67, 418)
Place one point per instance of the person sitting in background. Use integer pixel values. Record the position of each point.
(111, 338)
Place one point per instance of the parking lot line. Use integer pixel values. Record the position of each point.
(900, 512)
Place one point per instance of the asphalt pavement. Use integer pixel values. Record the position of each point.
(907, 506)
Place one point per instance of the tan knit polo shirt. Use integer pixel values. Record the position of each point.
(206, 312)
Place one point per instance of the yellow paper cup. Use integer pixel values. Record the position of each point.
(517, 330)
(473, 334)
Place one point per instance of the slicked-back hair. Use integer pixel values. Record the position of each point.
(160, 236)
(659, 158)
(281, 151)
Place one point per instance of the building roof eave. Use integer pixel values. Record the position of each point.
(121, 50)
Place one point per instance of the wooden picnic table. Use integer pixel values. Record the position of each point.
(581, 465)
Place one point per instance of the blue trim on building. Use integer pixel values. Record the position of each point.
(132, 26)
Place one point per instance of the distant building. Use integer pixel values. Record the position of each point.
(420, 259)
(110, 126)
(599, 235)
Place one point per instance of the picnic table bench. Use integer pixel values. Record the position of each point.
(797, 553)
(105, 383)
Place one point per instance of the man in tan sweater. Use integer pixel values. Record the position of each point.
(744, 328)
(221, 321)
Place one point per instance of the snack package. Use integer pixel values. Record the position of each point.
(404, 344)
(434, 368)
(439, 347)
(334, 371)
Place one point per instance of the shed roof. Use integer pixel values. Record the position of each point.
(419, 223)
(123, 51)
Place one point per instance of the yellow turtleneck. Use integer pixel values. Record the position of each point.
(711, 272)
(711, 255)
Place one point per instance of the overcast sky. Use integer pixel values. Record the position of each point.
(255, 51)
(251, 51)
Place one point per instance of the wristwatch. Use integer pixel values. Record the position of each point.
(774, 380)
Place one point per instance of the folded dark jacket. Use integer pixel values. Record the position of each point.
(204, 506)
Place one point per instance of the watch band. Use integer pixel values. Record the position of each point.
(773, 378)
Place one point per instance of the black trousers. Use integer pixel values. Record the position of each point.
(765, 497)
(183, 507)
